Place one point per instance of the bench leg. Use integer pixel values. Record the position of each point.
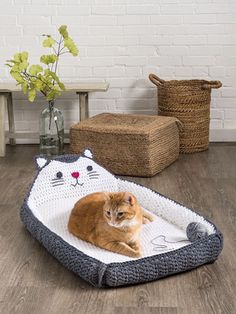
(3, 102)
(12, 140)
(83, 106)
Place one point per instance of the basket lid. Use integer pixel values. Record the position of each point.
(124, 123)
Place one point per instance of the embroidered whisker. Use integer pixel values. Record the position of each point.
(91, 172)
(56, 180)
(94, 175)
(53, 185)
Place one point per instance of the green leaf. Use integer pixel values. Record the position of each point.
(57, 80)
(63, 31)
(24, 87)
(23, 65)
(38, 84)
(17, 76)
(53, 94)
(49, 42)
(12, 61)
(44, 78)
(24, 56)
(47, 59)
(17, 57)
(20, 61)
(32, 95)
(15, 68)
(71, 46)
(61, 85)
(21, 56)
(35, 69)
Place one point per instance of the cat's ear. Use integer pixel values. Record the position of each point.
(40, 161)
(129, 198)
(107, 196)
(87, 153)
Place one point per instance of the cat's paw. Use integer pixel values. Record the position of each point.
(136, 251)
(137, 254)
(145, 220)
(151, 218)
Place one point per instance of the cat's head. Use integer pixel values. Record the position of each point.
(69, 176)
(121, 209)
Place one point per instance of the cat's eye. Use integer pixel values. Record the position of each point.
(89, 168)
(108, 213)
(59, 174)
(120, 214)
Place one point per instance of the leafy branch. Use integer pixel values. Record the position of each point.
(43, 77)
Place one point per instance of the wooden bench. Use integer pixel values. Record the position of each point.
(6, 89)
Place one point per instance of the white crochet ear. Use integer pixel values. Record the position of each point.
(88, 153)
(41, 162)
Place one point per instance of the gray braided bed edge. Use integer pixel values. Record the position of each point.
(200, 252)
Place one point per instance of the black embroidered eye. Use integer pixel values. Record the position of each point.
(89, 168)
(59, 175)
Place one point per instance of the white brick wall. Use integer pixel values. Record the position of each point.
(122, 41)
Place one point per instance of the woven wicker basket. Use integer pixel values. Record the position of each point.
(136, 145)
(189, 101)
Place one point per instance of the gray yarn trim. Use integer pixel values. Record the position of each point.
(146, 269)
(86, 267)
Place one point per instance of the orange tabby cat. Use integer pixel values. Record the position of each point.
(110, 221)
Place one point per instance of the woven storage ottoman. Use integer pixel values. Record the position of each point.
(135, 145)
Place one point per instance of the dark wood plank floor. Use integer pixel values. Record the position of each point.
(32, 281)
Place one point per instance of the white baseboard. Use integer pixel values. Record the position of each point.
(216, 135)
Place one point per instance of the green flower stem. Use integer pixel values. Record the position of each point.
(59, 139)
(62, 53)
(51, 105)
(62, 49)
(57, 54)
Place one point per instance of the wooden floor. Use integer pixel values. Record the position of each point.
(32, 281)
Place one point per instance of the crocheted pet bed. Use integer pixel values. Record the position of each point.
(167, 248)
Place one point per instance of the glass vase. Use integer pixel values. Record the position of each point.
(51, 130)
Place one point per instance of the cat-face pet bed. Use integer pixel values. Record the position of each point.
(177, 240)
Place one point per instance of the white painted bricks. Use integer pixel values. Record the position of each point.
(122, 41)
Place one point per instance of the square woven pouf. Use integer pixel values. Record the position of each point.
(135, 145)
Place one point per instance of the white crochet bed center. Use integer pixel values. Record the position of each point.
(55, 215)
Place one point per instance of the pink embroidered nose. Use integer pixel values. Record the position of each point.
(75, 175)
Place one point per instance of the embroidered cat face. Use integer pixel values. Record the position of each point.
(69, 176)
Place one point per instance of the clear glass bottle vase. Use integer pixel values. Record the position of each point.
(51, 130)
